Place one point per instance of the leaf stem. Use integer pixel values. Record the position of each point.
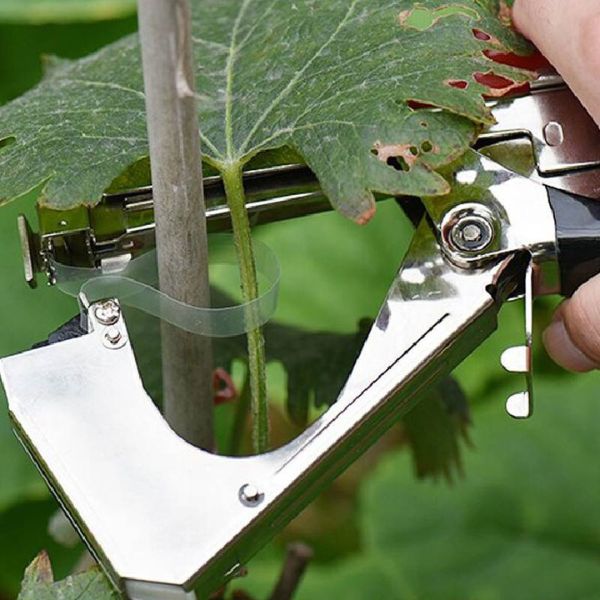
(236, 198)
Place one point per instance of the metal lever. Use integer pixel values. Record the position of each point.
(519, 359)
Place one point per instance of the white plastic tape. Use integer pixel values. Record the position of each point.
(136, 285)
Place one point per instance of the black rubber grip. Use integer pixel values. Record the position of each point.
(578, 237)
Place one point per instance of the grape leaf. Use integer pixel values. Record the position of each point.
(63, 11)
(38, 584)
(331, 80)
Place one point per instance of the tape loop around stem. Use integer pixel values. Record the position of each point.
(136, 285)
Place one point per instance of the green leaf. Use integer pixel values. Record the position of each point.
(38, 584)
(331, 80)
(63, 11)
(23, 531)
(523, 524)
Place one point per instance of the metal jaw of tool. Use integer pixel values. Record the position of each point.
(164, 518)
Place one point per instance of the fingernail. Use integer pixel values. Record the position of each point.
(563, 351)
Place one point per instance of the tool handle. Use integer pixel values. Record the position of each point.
(578, 238)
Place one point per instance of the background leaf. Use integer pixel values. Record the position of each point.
(38, 584)
(63, 11)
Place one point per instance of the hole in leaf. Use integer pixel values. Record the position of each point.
(427, 146)
(418, 105)
(398, 163)
(7, 142)
(498, 85)
(398, 156)
(459, 84)
(481, 35)
(532, 62)
(424, 124)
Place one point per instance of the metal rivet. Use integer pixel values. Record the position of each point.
(472, 234)
(107, 313)
(113, 335)
(554, 134)
(250, 494)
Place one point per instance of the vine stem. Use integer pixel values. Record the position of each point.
(236, 198)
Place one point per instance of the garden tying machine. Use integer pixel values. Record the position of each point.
(164, 518)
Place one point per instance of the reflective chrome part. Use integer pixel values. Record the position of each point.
(140, 590)
(107, 312)
(564, 136)
(471, 233)
(520, 358)
(28, 251)
(250, 495)
(517, 209)
(158, 512)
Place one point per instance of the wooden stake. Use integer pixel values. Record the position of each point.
(181, 239)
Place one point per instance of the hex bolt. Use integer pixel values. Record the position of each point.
(108, 312)
(472, 233)
(250, 494)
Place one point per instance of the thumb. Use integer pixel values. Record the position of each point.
(573, 338)
(568, 34)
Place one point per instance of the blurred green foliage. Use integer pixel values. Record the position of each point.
(525, 521)
(64, 11)
(523, 525)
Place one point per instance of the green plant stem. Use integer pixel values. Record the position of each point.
(241, 419)
(236, 198)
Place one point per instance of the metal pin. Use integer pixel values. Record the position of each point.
(250, 494)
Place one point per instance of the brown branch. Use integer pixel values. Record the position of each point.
(296, 561)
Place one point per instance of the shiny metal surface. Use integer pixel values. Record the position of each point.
(516, 207)
(564, 136)
(519, 359)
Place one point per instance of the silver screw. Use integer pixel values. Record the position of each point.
(108, 312)
(250, 494)
(113, 335)
(472, 234)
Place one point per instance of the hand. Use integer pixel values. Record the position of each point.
(568, 34)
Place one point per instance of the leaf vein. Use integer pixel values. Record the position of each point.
(285, 92)
(233, 50)
(105, 84)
